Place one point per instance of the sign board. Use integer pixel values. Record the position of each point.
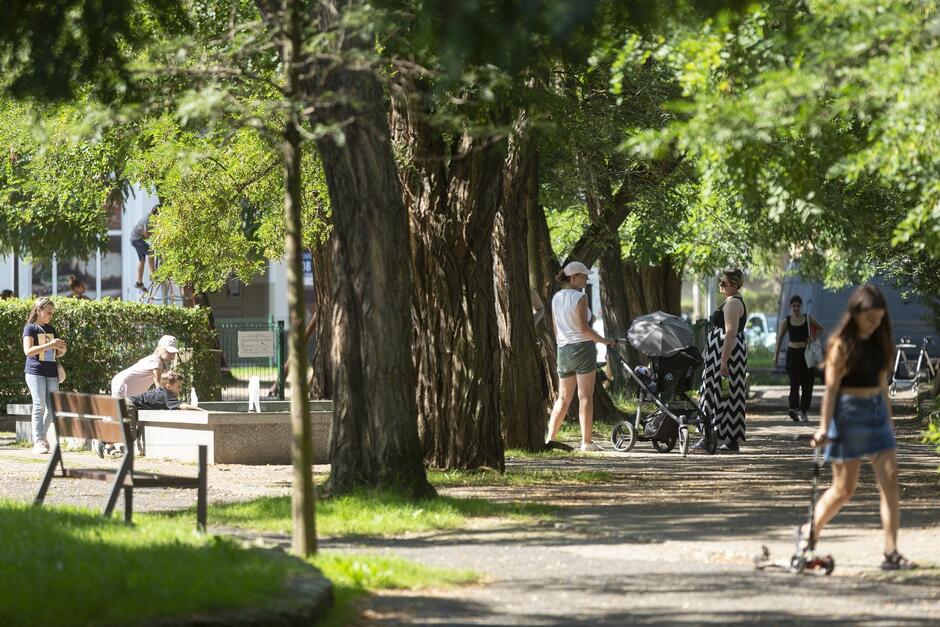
(256, 344)
(306, 263)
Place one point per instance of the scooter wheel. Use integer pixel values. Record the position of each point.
(623, 436)
(828, 564)
(797, 564)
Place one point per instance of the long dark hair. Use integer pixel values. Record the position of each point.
(845, 336)
(41, 303)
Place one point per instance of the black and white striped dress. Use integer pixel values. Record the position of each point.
(728, 413)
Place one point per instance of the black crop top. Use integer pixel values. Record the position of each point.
(798, 333)
(718, 317)
(867, 370)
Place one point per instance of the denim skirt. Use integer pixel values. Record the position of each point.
(860, 427)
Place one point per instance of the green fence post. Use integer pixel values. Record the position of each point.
(281, 360)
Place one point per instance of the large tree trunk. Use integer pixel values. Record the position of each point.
(453, 189)
(374, 440)
(653, 288)
(522, 404)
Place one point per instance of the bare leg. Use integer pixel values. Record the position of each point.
(885, 466)
(566, 388)
(844, 481)
(140, 271)
(586, 405)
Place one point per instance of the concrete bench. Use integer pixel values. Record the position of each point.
(232, 434)
(23, 415)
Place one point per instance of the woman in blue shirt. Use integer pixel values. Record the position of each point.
(42, 347)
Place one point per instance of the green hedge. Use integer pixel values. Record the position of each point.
(104, 337)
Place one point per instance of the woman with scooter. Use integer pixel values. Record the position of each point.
(855, 419)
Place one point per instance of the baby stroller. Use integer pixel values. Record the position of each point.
(667, 341)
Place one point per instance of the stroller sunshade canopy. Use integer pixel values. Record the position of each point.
(659, 334)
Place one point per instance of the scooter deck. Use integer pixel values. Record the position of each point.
(812, 564)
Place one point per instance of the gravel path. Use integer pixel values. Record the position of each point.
(667, 541)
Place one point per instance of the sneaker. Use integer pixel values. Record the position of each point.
(98, 447)
(896, 561)
(699, 446)
(590, 446)
(41, 447)
(803, 417)
(794, 415)
(730, 446)
(140, 286)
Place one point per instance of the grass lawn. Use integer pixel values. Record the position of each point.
(355, 575)
(513, 476)
(68, 566)
(372, 513)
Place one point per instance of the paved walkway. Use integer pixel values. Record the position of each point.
(671, 540)
(667, 541)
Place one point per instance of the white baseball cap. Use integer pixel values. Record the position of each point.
(168, 342)
(576, 267)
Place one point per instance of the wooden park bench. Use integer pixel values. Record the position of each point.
(105, 418)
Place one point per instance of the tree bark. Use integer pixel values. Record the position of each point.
(453, 192)
(302, 500)
(653, 288)
(522, 404)
(374, 439)
(321, 375)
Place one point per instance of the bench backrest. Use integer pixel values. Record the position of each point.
(90, 416)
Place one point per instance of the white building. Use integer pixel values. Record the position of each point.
(112, 272)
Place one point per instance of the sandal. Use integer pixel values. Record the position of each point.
(896, 561)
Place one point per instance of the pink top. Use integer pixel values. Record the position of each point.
(137, 379)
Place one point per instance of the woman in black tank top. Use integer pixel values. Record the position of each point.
(855, 419)
(800, 328)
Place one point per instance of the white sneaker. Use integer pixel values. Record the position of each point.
(41, 447)
(590, 446)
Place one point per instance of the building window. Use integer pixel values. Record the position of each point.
(111, 268)
(80, 269)
(42, 278)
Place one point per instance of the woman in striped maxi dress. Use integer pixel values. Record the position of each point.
(726, 356)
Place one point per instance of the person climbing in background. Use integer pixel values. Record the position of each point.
(139, 236)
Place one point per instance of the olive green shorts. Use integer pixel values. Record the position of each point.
(580, 358)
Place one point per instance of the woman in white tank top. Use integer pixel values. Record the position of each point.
(577, 353)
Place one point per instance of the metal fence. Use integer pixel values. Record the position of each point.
(252, 347)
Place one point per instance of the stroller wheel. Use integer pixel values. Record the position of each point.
(711, 441)
(829, 564)
(683, 440)
(893, 390)
(664, 446)
(623, 436)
